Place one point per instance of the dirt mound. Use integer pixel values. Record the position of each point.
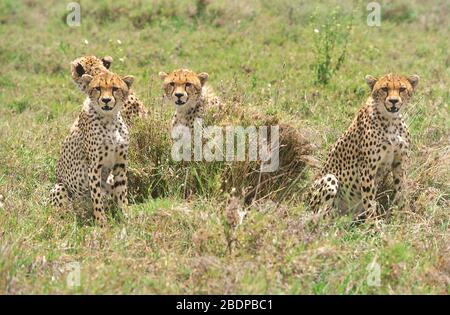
(153, 172)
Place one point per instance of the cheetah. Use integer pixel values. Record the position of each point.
(96, 147)
(187, 90)
(93, 65)
(376, 144)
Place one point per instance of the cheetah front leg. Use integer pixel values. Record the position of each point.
(95, 185)
(367, 173)
(120, 189)
(324, 193)
(59, 196)
(399, 175)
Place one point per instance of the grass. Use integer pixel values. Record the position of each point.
(262, 52)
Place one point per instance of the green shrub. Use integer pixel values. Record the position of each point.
(330, 44)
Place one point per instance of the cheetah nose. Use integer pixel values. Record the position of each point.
(179, 95)
(393, 101)
(106, 100)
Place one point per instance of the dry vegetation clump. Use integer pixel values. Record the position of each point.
(430, 183)
(427, 182)
(153, 172)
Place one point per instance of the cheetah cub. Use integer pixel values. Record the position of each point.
(96, 147)
(376, 144)
(133, 107)
(188, 92)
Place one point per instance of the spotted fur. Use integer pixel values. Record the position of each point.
(377, 143)
(94, 156)
(188, 92)
(92, 65)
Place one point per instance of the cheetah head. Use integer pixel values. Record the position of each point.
(392, 91)
(88, 65)
(107, 91)
(183, 87)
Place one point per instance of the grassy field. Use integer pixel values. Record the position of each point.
(269, 55)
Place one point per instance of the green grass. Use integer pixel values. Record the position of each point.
(264, 52)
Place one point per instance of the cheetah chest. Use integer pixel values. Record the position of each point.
(186, 116)
(114, 146)
(396, 146)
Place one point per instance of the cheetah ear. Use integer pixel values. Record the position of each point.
(203, 77)
(414, 80)
(128, 79)
(162, 75)
(79, 69)
(86, 78)
(107, 60)
(370, 80)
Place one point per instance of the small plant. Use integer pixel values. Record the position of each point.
(19, 106)
(330, 44)
(201, 6)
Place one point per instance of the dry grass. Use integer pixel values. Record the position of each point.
(154, 173)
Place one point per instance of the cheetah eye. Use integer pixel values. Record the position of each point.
(384, 88)
(115, 88)
(188, 84)
(97, 88)
(172, 83)
(402, 89)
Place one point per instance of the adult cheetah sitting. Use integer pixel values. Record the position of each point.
(96, 147)
(91, 65)
(376, 143)
(191, 97)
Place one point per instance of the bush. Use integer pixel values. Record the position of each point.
(153, 172)
(330, 44)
